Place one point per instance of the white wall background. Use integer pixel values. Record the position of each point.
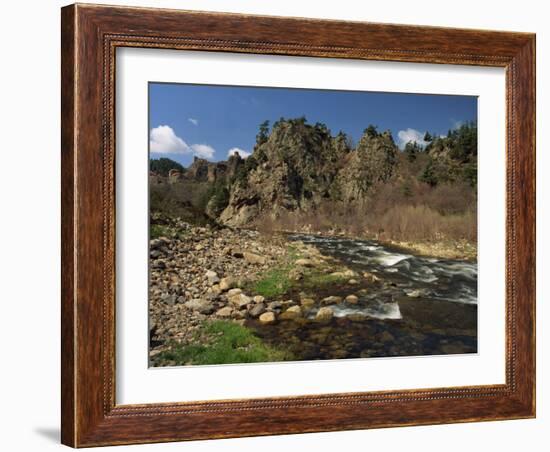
(30, 271)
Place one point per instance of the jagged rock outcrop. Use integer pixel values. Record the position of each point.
(300, 165)
(374, 161)
(301, 173)
(202, 170)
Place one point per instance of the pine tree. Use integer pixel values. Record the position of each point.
(371, 131)
(411, 149)
(428, 176)
(263, 134)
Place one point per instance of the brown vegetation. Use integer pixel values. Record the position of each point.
(397, 212)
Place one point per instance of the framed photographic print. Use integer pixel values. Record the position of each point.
(282, 225)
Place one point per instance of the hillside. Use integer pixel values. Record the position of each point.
(300, 177)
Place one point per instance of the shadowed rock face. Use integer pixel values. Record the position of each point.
(300, 165)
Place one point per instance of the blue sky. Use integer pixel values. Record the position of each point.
(211, 121)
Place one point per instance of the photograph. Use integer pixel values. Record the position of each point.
(290, 224)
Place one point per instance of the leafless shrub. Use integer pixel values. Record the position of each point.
(387, 217)
(423, 223)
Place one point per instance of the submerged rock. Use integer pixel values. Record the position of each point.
(386, 336)
(291, 313)
(307, 302)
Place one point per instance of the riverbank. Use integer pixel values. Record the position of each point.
(460, 249)
(201, 275)
(219, 295)
(444, 248)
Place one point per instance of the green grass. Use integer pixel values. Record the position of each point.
(230, 343)
(159, 230)
(276, 282)
(316, 279)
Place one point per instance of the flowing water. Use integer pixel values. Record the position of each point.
(420, 306)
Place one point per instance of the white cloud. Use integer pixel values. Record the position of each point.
(404, 136)
(193, 121)
(244, 154)
(203, 150)
(163, 140)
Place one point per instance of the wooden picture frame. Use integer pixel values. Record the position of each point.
(90, 36)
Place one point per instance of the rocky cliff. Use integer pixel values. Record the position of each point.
(299, 165)
(202, 170)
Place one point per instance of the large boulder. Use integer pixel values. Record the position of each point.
(267, 318)
(324, 314)
(239, 300)
(227, 283)
(257, 310)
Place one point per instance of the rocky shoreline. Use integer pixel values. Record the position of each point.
(209, 273)
(445, 249)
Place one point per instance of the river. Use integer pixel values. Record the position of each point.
(421, 306)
